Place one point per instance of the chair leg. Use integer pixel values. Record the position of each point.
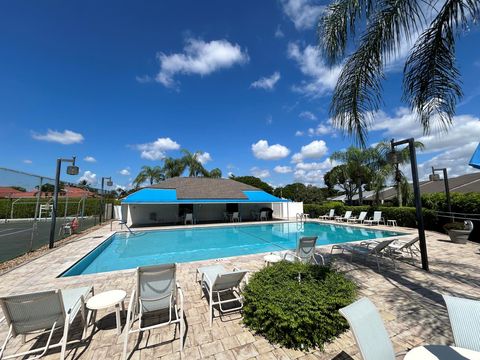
(182, 330)
(125, 341)
(4, 346)
(211, 307)
(64, 339)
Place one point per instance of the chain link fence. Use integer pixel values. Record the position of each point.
(26, 204)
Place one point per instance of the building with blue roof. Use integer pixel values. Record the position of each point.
(207, 199)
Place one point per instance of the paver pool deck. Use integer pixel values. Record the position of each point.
(409, 300)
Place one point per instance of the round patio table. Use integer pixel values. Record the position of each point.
(105, 300)
(441, 352)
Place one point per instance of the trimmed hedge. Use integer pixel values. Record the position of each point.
(25, 208)
(297, 314)
(405, 216)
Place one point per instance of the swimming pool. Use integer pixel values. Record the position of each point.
(126, 251)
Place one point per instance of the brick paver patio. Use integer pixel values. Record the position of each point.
(409, 300)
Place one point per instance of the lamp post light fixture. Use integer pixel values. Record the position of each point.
(102, 204)
(71, 170)
(416, 192)
(435, 177)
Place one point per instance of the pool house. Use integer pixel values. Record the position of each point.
(208, 200)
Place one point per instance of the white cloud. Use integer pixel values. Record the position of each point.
(125, 172)
(199, 58)
(321, 78)
(321, 129)
(66, 137)
(27, 161)
(307, 115)
(143, 79)
(204, 157)
(326, 165)
(269, 120)
(279, 33)
(267, 83)
(260, 173)
(261, 150)
(282, 169)
(89, 177)
(299, 133)
(90, 159)
(156, 150)
(451, 149)
(316, 149)
(303, 13)
(313, 172)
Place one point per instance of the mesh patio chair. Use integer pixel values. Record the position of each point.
(217, 281)
(305, 251)
(156, 293)
(330, 215)
(464, 315)
(369, 331)
(44, 312)
(376, 219)
(348, 215)
(360, 219)
(377, 251)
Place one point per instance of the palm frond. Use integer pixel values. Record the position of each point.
(432, 83)
(357, 94)
(338, 24)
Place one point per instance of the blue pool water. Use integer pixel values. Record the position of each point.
(127, 251)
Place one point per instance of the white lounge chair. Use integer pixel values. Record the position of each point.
(380, 250)
(189, 219)
(330, 215)
(369, 331)
(376, 219)
(217, 281)
(348, 215)
(360, 219)
(46, 312)
(263, 215)
(464, 315)
(156, 293)
(305, 251)
(236, 217)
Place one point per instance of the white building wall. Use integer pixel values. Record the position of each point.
(151, 214)
(287, 210)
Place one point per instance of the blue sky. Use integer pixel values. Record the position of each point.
(122, 84)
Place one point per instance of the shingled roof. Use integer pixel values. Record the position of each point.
(205, 188)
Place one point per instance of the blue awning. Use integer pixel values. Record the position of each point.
(475, 160)
(169, 196)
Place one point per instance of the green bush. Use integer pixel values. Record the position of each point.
(454, 226)
(297, 314)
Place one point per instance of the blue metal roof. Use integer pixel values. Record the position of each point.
(169, 196)
(475, 160)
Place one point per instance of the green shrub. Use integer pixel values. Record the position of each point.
(295, 314)
(454, 226)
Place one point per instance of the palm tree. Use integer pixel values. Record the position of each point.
(431, 82)
(173, 167)
(195, 167)
(359, 165)
(394, 171)
(215, 173)
(149, 174)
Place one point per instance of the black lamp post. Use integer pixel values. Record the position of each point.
(393, 157)
(102, 205)
(434, 177)
(71, 170)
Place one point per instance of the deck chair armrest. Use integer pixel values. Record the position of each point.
(180, 295)
(291, 253)
(2, 319)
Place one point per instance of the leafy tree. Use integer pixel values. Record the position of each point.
(173, 167)
(359, 164)
(253, 181)
(431, 85)
(149, 174)
(300, 192)
(340, 176)
(215, 173)
(19, 188)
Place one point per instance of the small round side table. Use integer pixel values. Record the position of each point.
(105, 300)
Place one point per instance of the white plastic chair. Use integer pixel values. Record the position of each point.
(263, 216)
(156, 292)
(236, 217)
(377, 219)
(330, 215)
(44, 311)
(189, 219)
